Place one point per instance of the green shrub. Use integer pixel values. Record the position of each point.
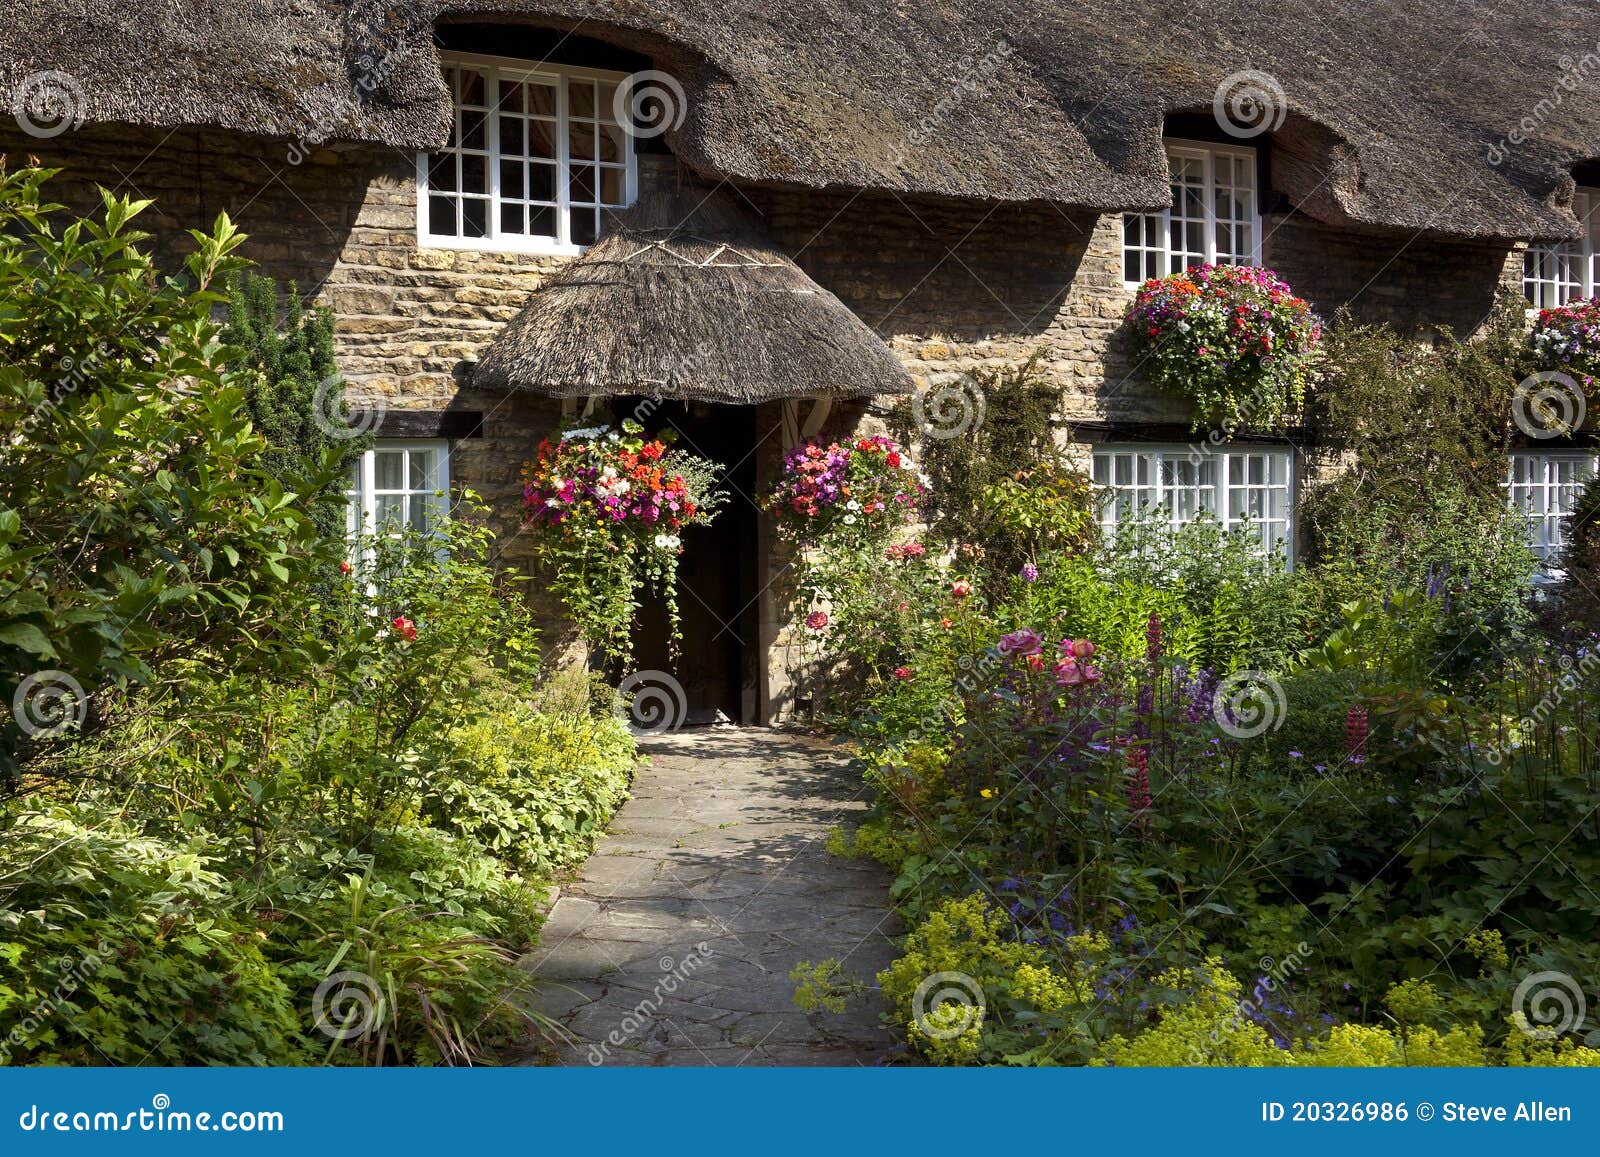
(126, 949)
(536, 790)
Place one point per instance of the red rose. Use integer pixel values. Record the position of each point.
(345, 568)
(406, 629)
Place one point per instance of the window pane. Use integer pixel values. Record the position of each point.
(474, 174)
(613, 144)
(422, 470)
(442, 171)
(581, 187)
(542, 139)
(472, 88)
(474, 130)
(581, 138)
(608, 102)
(581, 98)
(541, 99)
(388, 469)
(475, 218)
(513, 136)
(541, 182)
(389, 511)
(513, 217)
(585, 228)
(511, 179)
(511, 93)
(613, 186)
(442, 216)
(542, 222)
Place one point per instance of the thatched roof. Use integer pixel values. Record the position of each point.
(683, 298)
(1404, 114)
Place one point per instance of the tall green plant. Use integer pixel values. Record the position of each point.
(295, 399)
(138, 520)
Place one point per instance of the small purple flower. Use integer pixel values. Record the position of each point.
(1029, 572)
(1023, 642)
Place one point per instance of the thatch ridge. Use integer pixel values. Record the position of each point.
(684, 298)
(1459, 118)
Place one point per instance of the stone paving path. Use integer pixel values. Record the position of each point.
(720, 846)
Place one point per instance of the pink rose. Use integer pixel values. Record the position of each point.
(816, 620)
(961, 588)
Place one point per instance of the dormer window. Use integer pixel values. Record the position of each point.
(1214, 217)
(1554, 275)
(535, 156)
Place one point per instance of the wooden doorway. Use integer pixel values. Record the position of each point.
(718, 661)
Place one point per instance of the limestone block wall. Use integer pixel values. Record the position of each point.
(950, 286)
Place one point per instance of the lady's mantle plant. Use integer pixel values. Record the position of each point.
(1235, 339)
(609, 508)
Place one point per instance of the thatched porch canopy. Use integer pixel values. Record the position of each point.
(684, 298)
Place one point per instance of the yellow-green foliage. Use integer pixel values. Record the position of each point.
(1208, 1029)
(1489, 947)
(533, 788)
(1524, 1051)
(820, 986)
(1412, 1001)
(876, 839)
(1026, 993)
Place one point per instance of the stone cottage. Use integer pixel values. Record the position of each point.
(831, 204)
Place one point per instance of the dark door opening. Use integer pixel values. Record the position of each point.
(716, 662)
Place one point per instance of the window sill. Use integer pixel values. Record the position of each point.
(486, 245)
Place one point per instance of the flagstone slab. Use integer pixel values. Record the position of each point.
(674, 943)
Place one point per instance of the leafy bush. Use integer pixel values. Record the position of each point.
(536, 790)
(122, 949)
(138, 520)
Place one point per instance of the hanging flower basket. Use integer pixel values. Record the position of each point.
(1233, 339)
(607, 508)
(1567, 340)
(856, 491)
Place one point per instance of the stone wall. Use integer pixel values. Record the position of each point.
(951, 286)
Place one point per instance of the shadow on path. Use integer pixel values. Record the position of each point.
(721, 846)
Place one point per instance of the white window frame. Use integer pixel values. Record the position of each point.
(496, 67)
(1551, 289)
(1207, 154)
(1549, 500)
(1216, 494)
(364, 497)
